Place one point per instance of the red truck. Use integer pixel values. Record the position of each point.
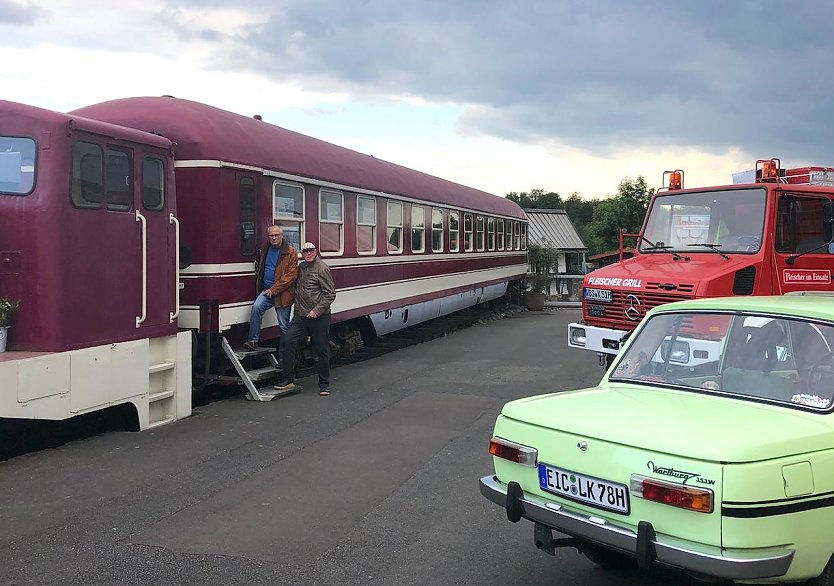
(769, 233)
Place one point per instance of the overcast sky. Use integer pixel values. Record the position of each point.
(505, 96)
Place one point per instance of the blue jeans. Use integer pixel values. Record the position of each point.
(259, 308)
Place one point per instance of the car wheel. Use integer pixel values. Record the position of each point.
(606, 558)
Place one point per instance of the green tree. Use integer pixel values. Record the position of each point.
(625, 210)
(537, 198)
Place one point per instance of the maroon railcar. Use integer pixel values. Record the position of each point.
(131, 224)
(88, 246)
(237, 175)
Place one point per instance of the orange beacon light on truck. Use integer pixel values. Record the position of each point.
(673, 180)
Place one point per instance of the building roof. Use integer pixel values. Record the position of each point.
(549, 227)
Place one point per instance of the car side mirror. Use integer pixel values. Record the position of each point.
(828, 221)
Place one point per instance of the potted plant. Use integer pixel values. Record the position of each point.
(534, 298)
(540, 259)
(8, 309)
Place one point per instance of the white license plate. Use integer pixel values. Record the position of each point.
(584, 489)
(602, 295)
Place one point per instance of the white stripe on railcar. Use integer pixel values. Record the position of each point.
(247, 268)
(362, 296)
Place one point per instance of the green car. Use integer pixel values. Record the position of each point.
(708, 446)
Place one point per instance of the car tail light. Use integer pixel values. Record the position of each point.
(672, 494)
(501, 448)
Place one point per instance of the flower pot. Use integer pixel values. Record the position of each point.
(4, 335)
(534, 300)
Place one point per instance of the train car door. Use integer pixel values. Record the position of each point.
(117, 245)
(157, 225)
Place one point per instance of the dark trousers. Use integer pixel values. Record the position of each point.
(319, 331)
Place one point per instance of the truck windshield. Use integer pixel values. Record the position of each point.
(731, 220)
(781, 360)
(17, 165)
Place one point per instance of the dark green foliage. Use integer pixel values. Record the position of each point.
(537, 198)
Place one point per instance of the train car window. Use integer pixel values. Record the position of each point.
(153, 183)
(436, 230)
(509, 235)
(517, 241)
(490, 233)
(365, 225)
(467, 233)
(288, 211)
(246, 191)
(799, 224)
(418, 228)
(454, 231)
(17, 165)
(480, 232)
(118, 179)
(499, 225)
(523, 236)
(395, 227)
(87, 182)
(331, 222)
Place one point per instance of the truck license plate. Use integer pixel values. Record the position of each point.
(602, 295)
(596, 492)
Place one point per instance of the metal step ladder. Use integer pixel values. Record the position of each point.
(250, 377)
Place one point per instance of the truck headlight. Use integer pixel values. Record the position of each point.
(577, 336)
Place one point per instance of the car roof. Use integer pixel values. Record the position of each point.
(813, 305)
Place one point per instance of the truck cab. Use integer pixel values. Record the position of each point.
(767, 234)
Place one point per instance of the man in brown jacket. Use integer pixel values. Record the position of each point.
(277, 270)
(314, 293)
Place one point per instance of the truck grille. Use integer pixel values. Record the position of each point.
(613, 315)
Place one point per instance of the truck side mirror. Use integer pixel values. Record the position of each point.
(828, 221)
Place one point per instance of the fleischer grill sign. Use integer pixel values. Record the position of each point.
(599, 295)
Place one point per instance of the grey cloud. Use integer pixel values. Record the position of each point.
(14, 12)
(594, 74)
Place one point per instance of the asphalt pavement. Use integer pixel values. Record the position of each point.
(375, 484)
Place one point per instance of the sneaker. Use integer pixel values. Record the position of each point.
(284, 385)
(324, 391)
(251, 345)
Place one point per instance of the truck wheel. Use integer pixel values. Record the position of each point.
(608, 559)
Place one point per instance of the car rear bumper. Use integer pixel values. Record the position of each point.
(687, 555)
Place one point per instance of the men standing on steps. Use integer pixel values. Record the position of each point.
(314, 293)
(276, 271)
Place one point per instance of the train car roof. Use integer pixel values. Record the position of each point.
(49, 120)
(202, 132)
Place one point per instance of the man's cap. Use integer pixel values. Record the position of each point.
(308, 246)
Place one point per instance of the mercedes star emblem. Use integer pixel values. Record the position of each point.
(632, 310)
